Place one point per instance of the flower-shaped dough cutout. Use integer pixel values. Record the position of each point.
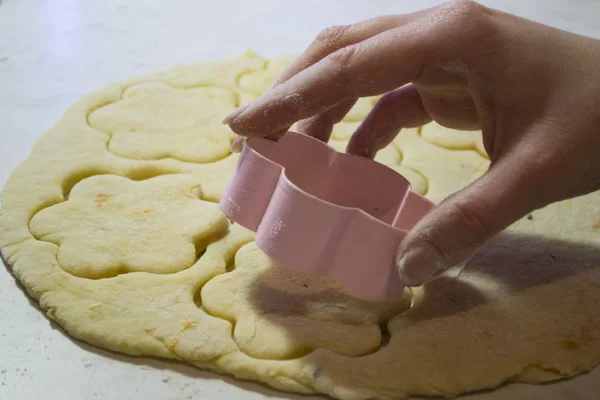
(453, 139)
(112, 225)
(258, 82)
(281, 313)
(155, 120)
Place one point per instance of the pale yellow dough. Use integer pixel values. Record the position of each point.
(112, 225)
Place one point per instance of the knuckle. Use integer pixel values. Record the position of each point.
(467, 7)
(468, 15)
(342, 58)
(333, 36)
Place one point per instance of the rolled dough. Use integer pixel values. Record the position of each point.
(112, 225)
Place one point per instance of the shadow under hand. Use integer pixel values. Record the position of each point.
(502, 273)
(322, 303)
(508, 264)
(289, 314)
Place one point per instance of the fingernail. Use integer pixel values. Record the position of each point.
(417, 265)
(238, 144)
(234, 114)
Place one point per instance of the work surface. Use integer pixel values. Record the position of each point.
(54, 52)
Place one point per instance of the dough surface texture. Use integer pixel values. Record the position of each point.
(112, 224)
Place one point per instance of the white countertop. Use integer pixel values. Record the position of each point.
(53, 52)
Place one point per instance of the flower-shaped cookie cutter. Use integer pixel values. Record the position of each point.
(324, 212)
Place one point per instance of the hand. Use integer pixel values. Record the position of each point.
(534, 91)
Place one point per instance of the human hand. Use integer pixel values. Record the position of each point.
(534, 91)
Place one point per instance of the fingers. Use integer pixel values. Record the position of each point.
(331, 40)
(338, 37)
(400, 108)
(463, 222)
(321, 125)
(327, 42)
(238, 142)
(376, 65)
(309, 93)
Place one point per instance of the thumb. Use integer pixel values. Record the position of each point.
(454, 229)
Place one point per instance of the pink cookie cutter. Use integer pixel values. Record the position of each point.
(323, 212)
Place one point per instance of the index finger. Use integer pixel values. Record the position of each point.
(374, 66)
(337, 37)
